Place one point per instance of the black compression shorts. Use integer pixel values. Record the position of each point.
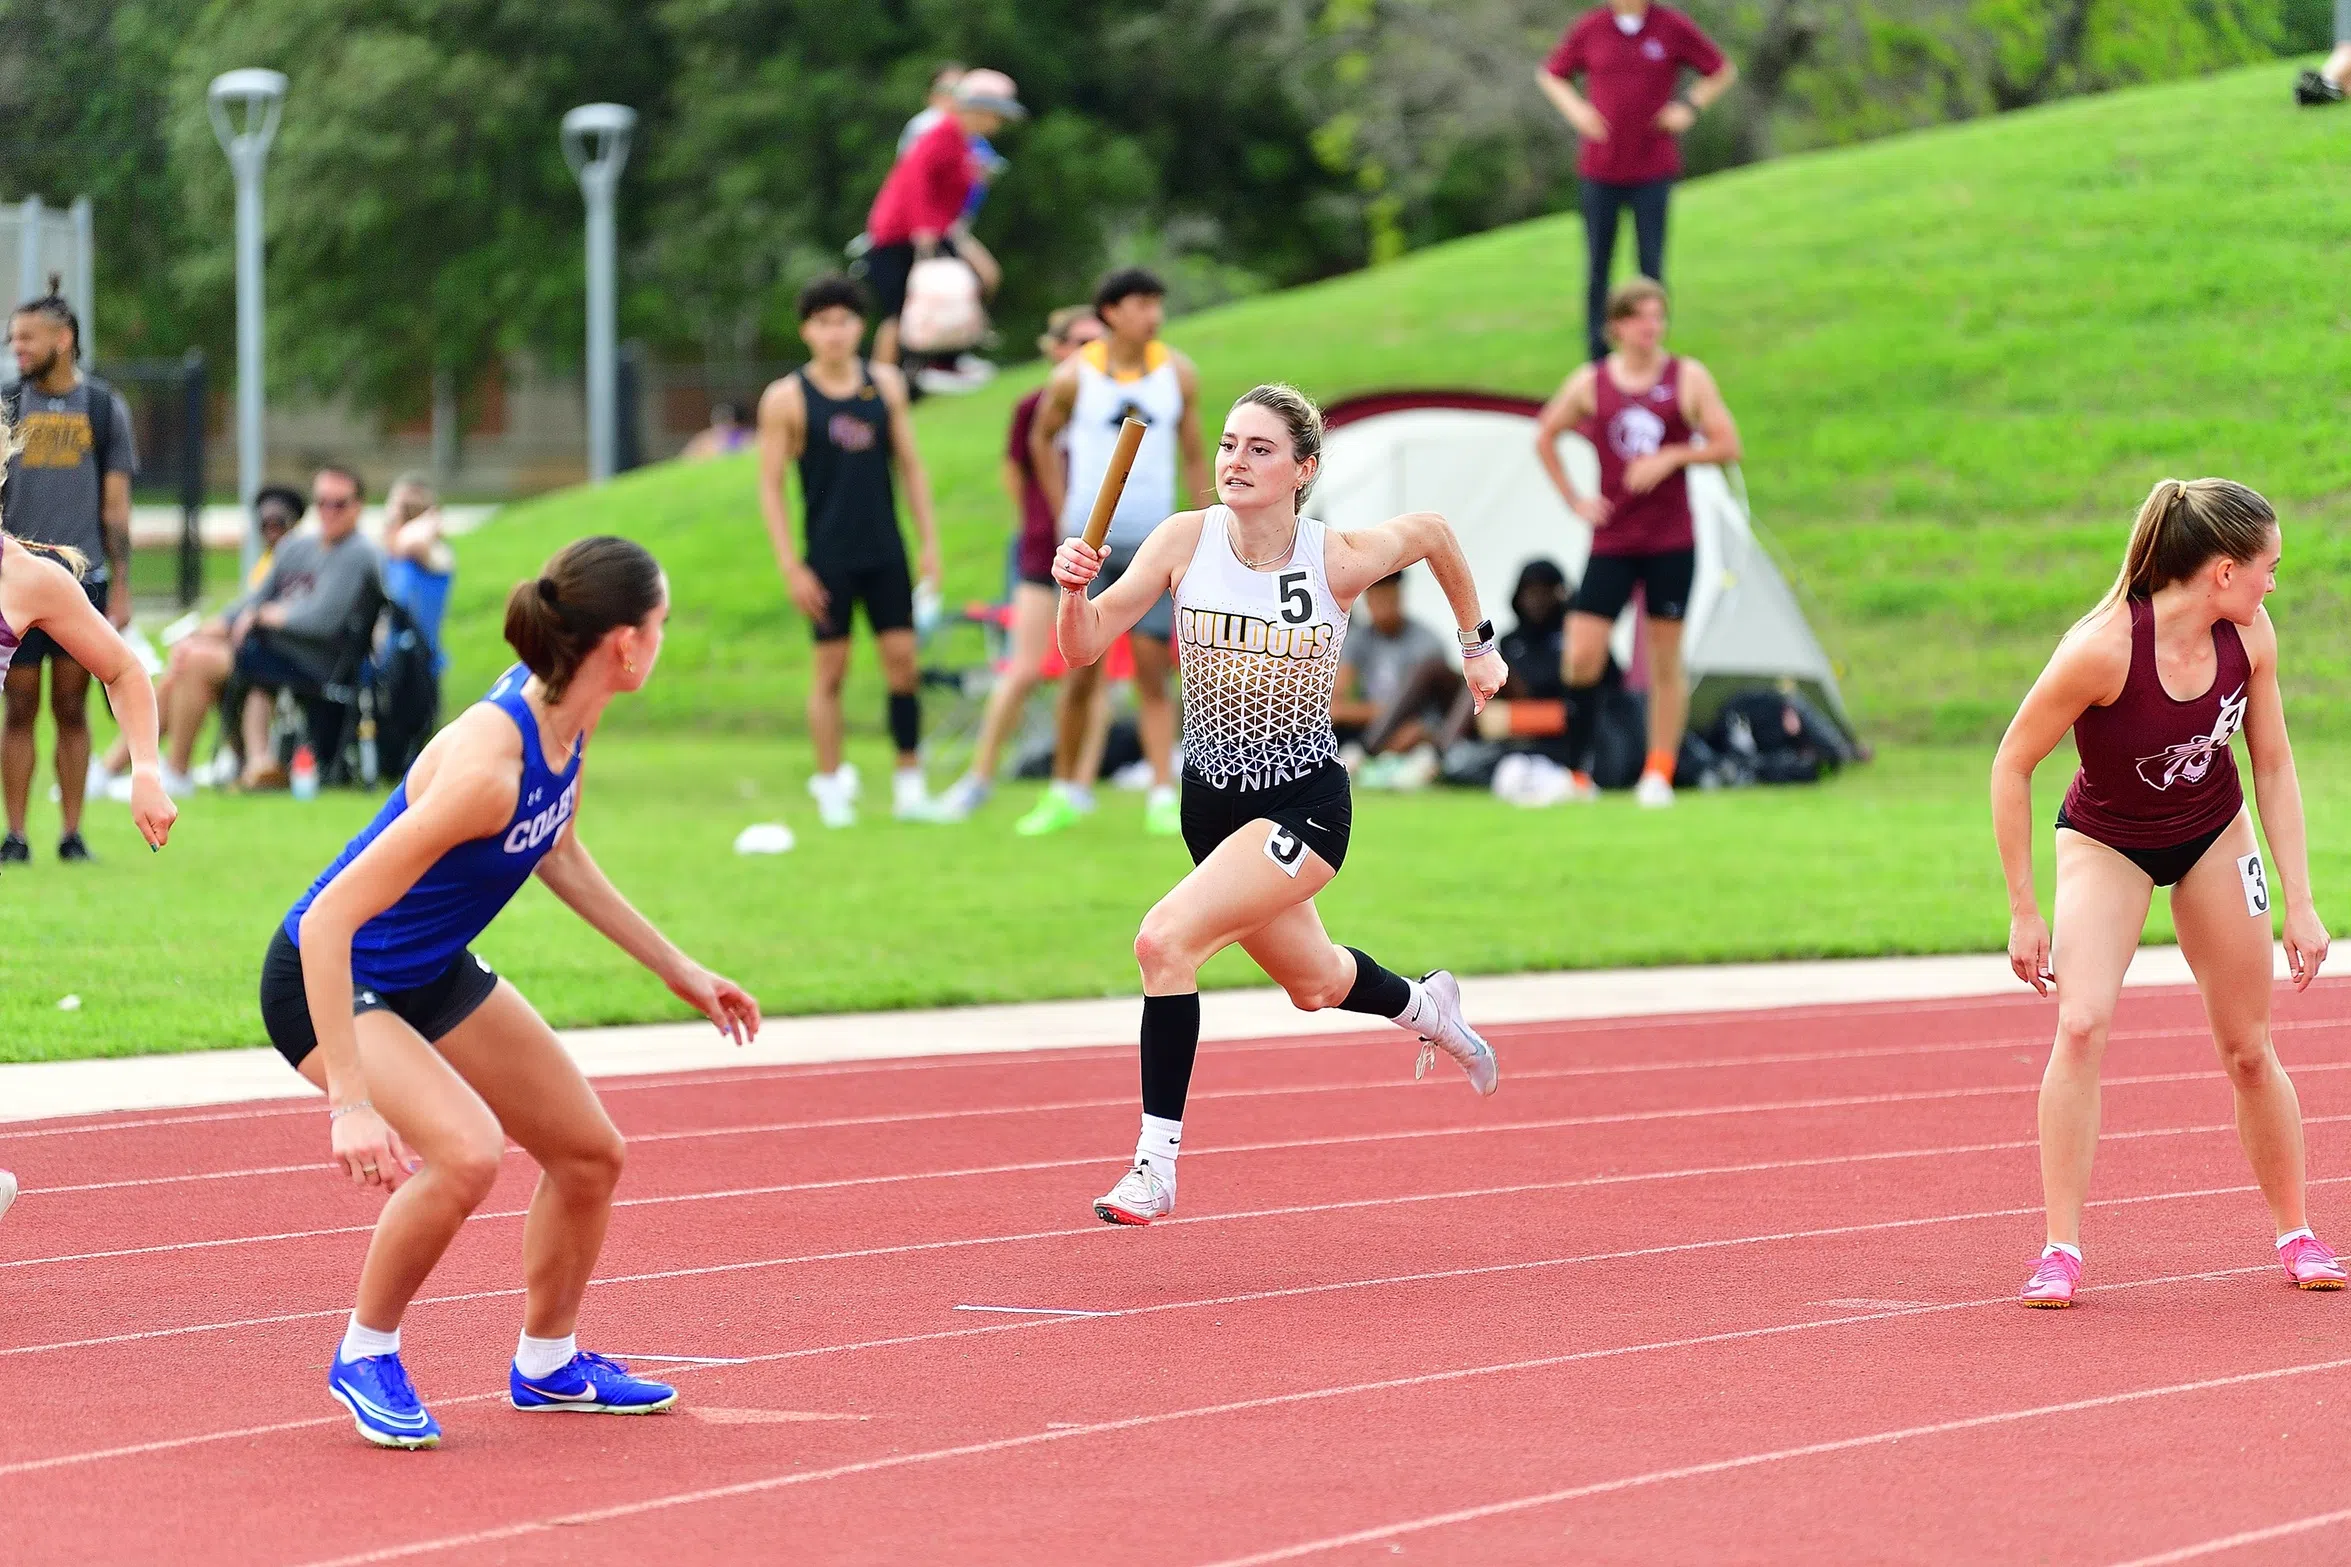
(1315, 812)
(1665, 579)
(886, 591)
(433, 1009)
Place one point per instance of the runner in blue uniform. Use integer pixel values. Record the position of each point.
(370, 991)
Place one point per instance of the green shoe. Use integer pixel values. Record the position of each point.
(1054, 813)
(1163, 816)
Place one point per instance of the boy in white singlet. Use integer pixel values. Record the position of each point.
(1130, 374)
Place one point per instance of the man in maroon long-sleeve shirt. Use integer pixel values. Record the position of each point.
(923, 198)
(1630, 114)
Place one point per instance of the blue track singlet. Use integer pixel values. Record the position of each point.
(410, 943)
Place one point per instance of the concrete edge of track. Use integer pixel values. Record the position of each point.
(45, 1089)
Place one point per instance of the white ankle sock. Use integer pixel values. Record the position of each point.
(543, 1357)
(2302, 1234)
(2075, 1252)
(1158, 1145)
(1419, 1013)
(361, 1343)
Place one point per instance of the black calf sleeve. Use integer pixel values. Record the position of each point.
(1583, 722)
(905, 721)
(1171, 1039)
(1376, 990)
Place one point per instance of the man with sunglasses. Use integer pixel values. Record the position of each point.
(323, 588)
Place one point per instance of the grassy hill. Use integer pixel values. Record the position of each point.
(1960, 358)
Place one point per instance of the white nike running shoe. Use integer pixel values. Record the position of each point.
(1654, 792)
(1139, 1197)
(1449, 1033)
(7, 1190)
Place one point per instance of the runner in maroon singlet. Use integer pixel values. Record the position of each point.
(1034, 599)
(2157, 804)
(1644, 411)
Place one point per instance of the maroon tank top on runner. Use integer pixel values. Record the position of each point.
(2157, 771)
(1626, 426)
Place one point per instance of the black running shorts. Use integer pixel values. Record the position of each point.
(2164, 866)
(1665, 578)
(1315, 813)
(886, 591)
(433, 1009)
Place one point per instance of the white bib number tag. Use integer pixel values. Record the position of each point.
(1285, 849)
(2256, 883)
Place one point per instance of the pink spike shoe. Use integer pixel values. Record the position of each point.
(2053, 1281)
(2310, 1265)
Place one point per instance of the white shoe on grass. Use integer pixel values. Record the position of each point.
(965, 795)
(910, 800)
(836, 798)
(1654, 792)
(1139, 1197)
(1447, 1031)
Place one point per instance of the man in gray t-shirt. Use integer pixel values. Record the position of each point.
(69, 485)
(1396, 679)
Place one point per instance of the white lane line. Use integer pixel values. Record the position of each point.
(1526, 1035)
(773, 1483)
(675, 1360)
(905, 1340)
(708, 1270)
(1620, 1118)
(1785, 1454)
(1750, 1167)
(2237, 1542)
(1038, 1311)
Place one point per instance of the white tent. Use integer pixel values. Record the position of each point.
(1471, 456)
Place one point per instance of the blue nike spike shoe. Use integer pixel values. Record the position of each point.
(386, 1409)
(593, 1385)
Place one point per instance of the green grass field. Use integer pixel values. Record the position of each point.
(1960, 358)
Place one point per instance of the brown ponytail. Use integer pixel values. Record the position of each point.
(2183, 526)
(592, 586)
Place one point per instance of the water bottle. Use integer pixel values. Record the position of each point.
(303, 777)
(929, 609)
(368, 760)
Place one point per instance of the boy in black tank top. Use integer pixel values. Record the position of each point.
(844, 424)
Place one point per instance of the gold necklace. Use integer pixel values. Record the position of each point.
(1275, 558)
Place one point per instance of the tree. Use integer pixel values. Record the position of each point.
(420, 216)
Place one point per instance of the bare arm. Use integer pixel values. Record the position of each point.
(1708, 88)
(1087, 626)
(1053, 409)
(464, 792)
(2277, 790)
(1573, 106)
(908, 458)
(2088, 668)
(1191, 446)
(38, 592)
(573, 875)
(783, 431)
(1570, 406)
(1354, 560)
(1015, 484)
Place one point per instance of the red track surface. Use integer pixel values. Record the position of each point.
(1711, 1288)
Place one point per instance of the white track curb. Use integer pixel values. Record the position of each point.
(40, 1090)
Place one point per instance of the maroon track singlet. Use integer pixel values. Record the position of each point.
(2155, 771)
(1626, 426)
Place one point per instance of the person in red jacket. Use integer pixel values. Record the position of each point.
(1630, 114)
(922, 201)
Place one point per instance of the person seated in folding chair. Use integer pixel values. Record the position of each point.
(306, 622)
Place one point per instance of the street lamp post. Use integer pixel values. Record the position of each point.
(245, 108)
(596, 145)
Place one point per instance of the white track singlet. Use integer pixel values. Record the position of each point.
(1104, 402)
(1260, 654)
